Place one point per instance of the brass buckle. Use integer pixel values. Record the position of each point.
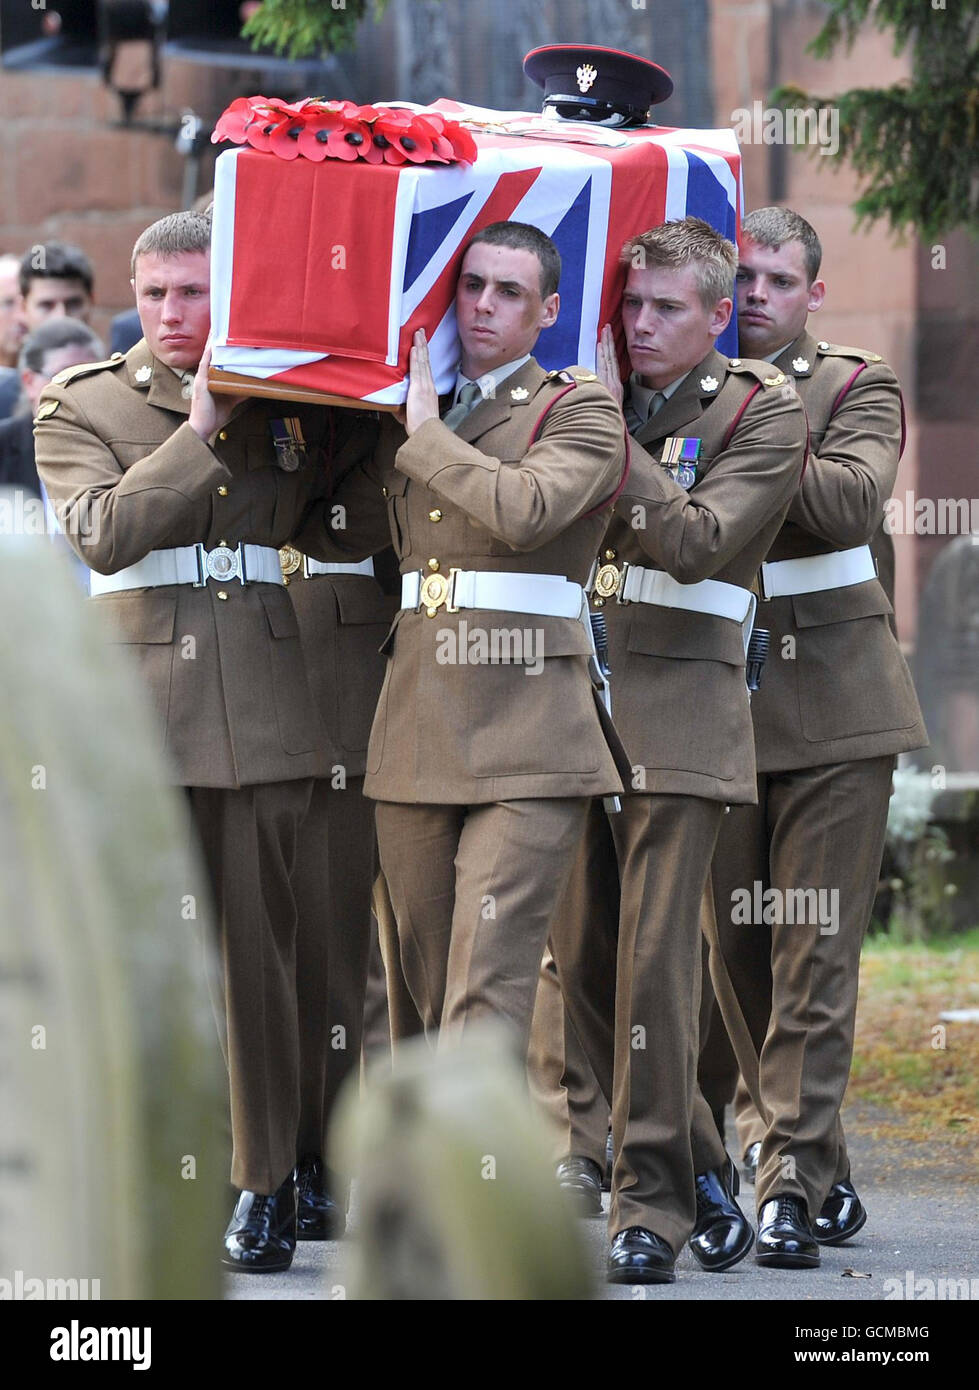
(608, 582)
(290, 559)
(436, 590)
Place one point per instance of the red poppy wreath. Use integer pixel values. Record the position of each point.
(318, 130)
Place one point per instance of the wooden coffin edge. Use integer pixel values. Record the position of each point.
(234, 384)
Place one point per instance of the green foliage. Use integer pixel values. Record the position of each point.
(915, 144)
(299, 28)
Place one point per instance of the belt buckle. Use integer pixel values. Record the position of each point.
(290, 559)
(436, 590)
(608, 582)
(221, 563)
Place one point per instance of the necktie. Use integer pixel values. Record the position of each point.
(656, 403)
(469, 396)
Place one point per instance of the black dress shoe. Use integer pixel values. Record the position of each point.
(639, 1256)
(785, 1238)
(581, 1179)
(840, 1216)
(723, 1234)
(750, 1161)
(261, 1236)
(318, 1215)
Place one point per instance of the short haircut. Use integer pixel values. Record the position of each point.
(55, 260)
(773, 227)
(176, 235)
(54, 334)
(693, 242)
(521, 236)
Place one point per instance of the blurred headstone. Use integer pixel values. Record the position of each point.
(113, 1157)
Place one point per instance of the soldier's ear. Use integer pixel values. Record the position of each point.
(549, 311)
(817, 293)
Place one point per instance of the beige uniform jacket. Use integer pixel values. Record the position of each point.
(679, 699)
(343, 620)
(452, 727)
(838, 688)
(223, 663)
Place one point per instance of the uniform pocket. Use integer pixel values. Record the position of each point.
(290, 689)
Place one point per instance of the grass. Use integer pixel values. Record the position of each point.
(921, 1070)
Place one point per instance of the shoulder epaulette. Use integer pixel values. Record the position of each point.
(834, 350)
(561, 378)
(71, 374)
(764, 371)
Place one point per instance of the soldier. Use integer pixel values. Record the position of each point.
(717, 452)
(344, 614)
(178, 500)
(835, 706)
(488, 740)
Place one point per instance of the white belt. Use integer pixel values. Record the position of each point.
(311, 567)
(192, 564)
(712, 596)
(549, 595)
(813, 573)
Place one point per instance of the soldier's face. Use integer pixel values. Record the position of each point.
(774, 296)
(667, 328)
(499, 307)
(173, 297)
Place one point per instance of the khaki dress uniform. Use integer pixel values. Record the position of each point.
(628, 939)
(224, 670)
(835, 706)
(482, 768)
(343, 619)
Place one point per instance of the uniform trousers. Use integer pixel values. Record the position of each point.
(816, 828)
(627, 942)
(474, 889)
(562, 1082)
(334, 872)
(250, 838)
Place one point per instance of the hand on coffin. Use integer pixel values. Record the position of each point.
(208, 412)
(423, 400)
(607, 364)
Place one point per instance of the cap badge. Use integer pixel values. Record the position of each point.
(586, 75)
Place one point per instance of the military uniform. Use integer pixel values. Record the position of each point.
(627, 942)
(343, 618)
(223, 666)
(835, 706)
(481, 768)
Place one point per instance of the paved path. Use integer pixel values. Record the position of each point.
(923, 1228)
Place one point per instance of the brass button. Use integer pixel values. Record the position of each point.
(435, 514)
(222, 542)
(610, 554)
(222, 594)
(599, 602)
(286, 581)
(433, 565)
(384, 492)
(222, 491)
(223, 434)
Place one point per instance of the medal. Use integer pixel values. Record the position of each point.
(290, 446)
(680, 459)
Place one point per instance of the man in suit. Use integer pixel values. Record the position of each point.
(488, 740)
(51, 348)
(835, 707)
(178, 500)
(717, 453)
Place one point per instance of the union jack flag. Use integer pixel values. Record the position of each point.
(322, 272)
